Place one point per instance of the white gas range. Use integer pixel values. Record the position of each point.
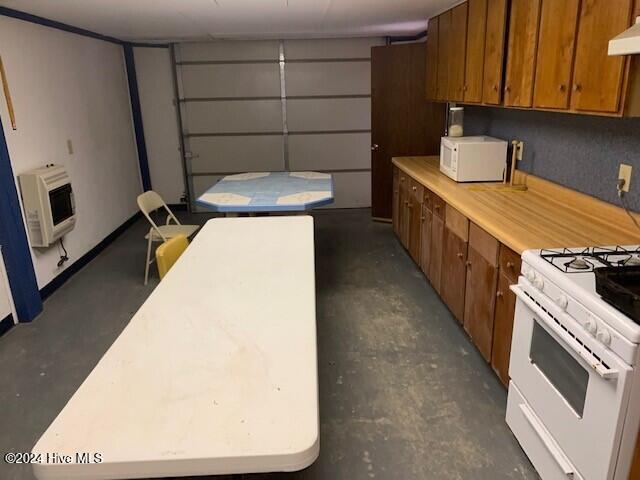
(574, 395)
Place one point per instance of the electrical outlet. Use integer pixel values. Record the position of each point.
(70, 146)
(625, 174)
(520, 150)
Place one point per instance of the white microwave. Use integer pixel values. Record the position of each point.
(473, 159)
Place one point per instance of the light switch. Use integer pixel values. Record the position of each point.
(70, 146)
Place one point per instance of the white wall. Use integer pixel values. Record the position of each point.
(155, 84)
(6, 303)
(65, 86)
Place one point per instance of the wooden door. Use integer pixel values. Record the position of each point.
(503, 328)
(432, 60)
(453, 276)
(524, 22)
(598, 78)
(444, 43)
(457, 49)
(474, 69)
(556, 46)
(396, 201)
(402, 123)
(494, 51)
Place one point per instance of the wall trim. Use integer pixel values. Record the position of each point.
(136, 112)
(15, 244)
(6, 324)
(76, 266)
(28, 17)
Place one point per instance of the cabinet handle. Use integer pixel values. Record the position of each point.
(465, 88)
(498, 294)
(402, 179)
(562, 87)
(495, 88)
(414, 188)
(507, 89)
(467, 263)
(577, 87)
(510, 265)
(460, 255)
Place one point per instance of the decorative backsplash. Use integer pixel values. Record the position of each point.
(578, 151)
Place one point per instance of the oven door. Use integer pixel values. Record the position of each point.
(575, 387)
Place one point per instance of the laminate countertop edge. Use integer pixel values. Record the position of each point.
(529, 219)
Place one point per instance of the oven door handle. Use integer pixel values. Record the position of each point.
(548, 441)
(600, 369)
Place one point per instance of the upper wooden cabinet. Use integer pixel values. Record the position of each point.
(521, 52)
(556, 47)
(432, 59)
(457, 41)
(474, 68)
(494, 51)
(598, 78)
(555, 57)
(444, 29)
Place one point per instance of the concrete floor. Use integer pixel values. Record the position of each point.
(403, 393)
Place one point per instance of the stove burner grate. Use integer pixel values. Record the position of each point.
(582, 260)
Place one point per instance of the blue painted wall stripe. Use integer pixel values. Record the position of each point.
(137, 116)
(28, 17)
(15, 245)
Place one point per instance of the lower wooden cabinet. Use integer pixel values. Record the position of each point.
(482, 276)
(437, 243)
(503, 328)
(454, 272)
(425, 236)
(470, 269)
(395, 202)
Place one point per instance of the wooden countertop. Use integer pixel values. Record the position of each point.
(546, 215)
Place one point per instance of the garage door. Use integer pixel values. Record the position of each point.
(249, 106)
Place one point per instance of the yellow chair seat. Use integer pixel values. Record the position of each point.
(167, 253)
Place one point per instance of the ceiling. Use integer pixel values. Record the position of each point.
(172, 20)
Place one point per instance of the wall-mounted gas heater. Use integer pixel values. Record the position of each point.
(49, 208)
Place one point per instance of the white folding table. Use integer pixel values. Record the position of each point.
(215, 374)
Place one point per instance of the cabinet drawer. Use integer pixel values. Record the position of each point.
(457, 223)
(438, 206)
(510, 263)
(483, 243)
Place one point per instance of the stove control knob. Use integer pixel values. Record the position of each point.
(530, 275)
(562, 301)
(603, 336)
(590, 325)
(538, 282)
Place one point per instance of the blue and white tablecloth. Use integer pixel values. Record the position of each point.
(268, 192)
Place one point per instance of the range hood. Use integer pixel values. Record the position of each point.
(628, 42)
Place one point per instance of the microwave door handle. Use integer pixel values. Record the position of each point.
(600, 369)
(548, 442)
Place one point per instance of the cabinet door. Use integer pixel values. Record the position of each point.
(403, 202)
(395, 210)
(494, 51)
(432, 59)
(503, 328)
(437, 239)
(457, 49)
(479, 302)
(474, 69)
(521, 52)
(556, 46)
(415, 223)
(453, 276)
(444, 29)
(597, 80)
(425, 238)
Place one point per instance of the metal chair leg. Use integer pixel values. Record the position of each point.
(147, 263)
